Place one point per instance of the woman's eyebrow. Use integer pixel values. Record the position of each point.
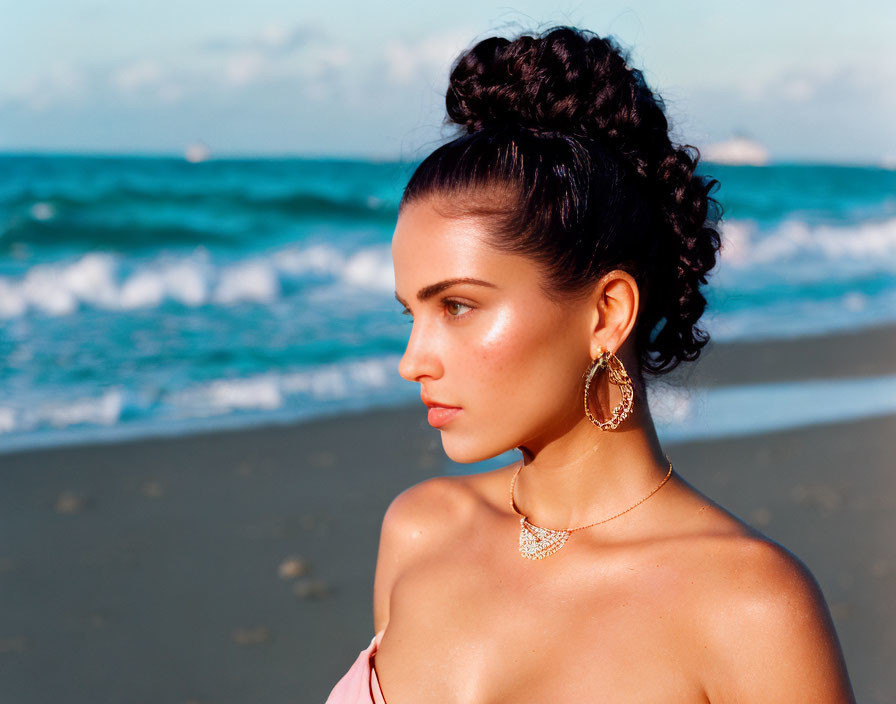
(429, 291)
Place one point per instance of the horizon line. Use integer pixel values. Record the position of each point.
(883, 163)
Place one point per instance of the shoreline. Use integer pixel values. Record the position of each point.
(841, 355)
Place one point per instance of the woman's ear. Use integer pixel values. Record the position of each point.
(615, 311)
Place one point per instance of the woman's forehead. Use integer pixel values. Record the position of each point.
(428, 247)
(422, 225)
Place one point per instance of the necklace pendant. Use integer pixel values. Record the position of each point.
(537, 543)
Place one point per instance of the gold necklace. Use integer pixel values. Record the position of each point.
(537, 543)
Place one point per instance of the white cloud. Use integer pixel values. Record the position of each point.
(274, 34)
(279, 52)
(137, 74)
(324, 72)
(243, 67)
(798, 89)
(273, 37)
(804, 84)
(146, 77)
(62, 83)
(328, 57)
(407, 61)
(401, 62)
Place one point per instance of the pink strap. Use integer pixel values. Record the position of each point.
(374, 680)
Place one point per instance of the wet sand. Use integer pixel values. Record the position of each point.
(238, 566)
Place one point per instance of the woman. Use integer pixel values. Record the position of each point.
(551, 257)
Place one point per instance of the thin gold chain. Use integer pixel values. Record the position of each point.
(571, 530)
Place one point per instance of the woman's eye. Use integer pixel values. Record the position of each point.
(449, 305)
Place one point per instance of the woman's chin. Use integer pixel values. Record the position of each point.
(468, 453)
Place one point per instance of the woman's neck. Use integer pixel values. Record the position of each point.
(589, 474)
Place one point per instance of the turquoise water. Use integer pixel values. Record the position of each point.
(148, 295)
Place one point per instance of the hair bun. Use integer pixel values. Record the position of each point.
(566, 81)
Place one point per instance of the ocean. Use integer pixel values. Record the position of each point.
(149, 295)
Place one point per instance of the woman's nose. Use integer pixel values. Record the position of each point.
(419, 358)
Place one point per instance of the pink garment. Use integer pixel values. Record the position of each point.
(360, 684)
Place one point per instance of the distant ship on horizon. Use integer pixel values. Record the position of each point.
(740, 149)
(196, 152)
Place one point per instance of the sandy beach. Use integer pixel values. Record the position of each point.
(238, 566)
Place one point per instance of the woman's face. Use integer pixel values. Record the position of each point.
(510, 358)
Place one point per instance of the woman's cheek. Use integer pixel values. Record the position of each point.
(506, 349)
(499, 347)
(500, 328)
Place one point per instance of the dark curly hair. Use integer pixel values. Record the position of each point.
(565, 151)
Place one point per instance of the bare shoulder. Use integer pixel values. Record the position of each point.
(413, 525)
(766, 630)
(419, 513)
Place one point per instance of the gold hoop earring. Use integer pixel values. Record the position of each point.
(617, 375)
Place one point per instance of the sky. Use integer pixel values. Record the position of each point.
(812, 81)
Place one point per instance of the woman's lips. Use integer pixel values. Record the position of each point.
(439, 415)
